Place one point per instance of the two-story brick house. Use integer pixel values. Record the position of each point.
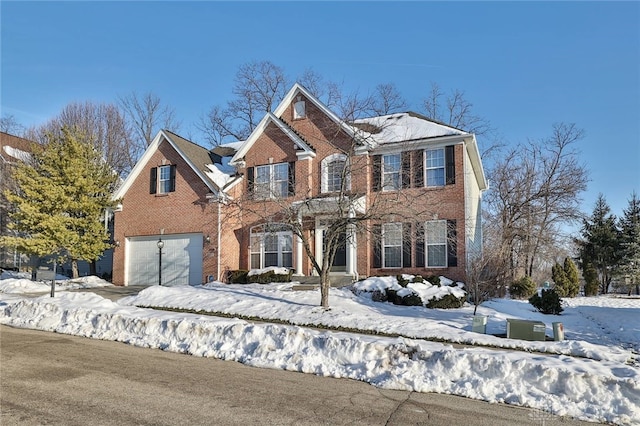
(413, 188)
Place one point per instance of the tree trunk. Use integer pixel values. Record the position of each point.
(325, 284)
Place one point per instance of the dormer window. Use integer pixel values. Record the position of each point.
(299, 110)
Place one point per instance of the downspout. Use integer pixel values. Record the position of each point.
(219, 238)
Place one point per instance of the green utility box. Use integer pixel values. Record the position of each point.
(525, 330)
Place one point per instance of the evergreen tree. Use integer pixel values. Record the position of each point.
(60, 197)
(560, 279)
(573, 279)
(629, 266)
(590, 280)
(600, 242)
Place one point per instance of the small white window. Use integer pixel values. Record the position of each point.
(391, 172)
(435, 167)
(392, 245)
(436, 236)
(299, 110)
(164, 179)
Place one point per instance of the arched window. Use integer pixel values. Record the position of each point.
(271, 245)
(336, 175)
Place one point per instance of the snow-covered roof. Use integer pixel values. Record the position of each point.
(16, 153)
(405, 126)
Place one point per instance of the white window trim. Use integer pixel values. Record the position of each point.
(274, 190)
(299, 110)
(258, 232)
(427, 168)
(325, 172)
(427, 244)
(160, 189)
(385, 245)
(383, 173)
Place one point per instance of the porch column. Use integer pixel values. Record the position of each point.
(299, 250)
(352, 255)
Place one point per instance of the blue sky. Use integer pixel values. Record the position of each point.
(524, 65)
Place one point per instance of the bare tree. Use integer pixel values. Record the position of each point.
(9, 124)
(455, 110)
(535, 191)
(260, 85)
(146, 116)
(102, 124)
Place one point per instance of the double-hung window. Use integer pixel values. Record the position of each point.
(391, 166)
(435, 167)
(163, 179)
(436, 242)
(271, 246)
(392, 245)
(272, 180)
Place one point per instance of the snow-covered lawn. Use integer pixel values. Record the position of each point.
(593, 375)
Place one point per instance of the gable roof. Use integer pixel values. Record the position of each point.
(197, 157)
(260, 128)
(276, 117)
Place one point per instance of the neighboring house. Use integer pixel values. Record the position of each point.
(214, 210)
(13, 150)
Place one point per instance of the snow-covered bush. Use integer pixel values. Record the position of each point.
(412, 290)
(269, 275)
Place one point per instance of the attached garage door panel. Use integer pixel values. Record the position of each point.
(181, 260)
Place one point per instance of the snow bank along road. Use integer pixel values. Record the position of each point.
(59, 379)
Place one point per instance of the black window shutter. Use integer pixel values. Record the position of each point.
(153, 180)
(450, 164)
(292, 179)
(406, 169)
(418, 169)
(377, 246)
(172, 178)
(406, 245)
(452, 243)
(250, 180)
(377, 170)
(419, 245)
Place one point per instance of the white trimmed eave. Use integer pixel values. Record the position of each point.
(297, 88)
(393, 147)
(142, 162)
(476, 162)
(307, 152)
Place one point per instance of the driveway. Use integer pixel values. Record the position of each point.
(114, 292)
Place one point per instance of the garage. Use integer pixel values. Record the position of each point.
(181, 260)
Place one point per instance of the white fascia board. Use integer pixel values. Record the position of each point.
(151, 149)
(417, 144)
(476, 162)
(260, 128)
(242, 151)
(212, 186)
(146, 156)
(297, 88)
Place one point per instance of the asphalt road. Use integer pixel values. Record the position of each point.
(50, 378)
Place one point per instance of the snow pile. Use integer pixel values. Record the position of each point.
(273, 269)
(18, 283)
(562, 385)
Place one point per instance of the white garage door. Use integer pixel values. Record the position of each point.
(181, 259)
